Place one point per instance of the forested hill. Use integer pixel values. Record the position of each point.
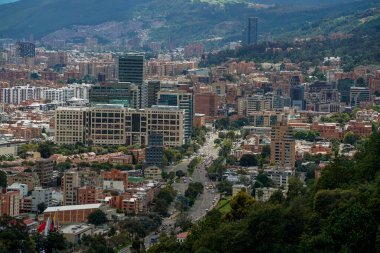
(359, 45)
(181, 20)
(340, 212)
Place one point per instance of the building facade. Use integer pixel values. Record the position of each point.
(283, 146)
(117, 125)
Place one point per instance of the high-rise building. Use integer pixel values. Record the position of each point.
(70, 185)
(44, 170)
(206, 103)
(297, 95)
(183, 100)
(283, 146)
(131, 68)
(154, 87)
(250, 32)
(344, 86)
(25, 49)
(9, 203)
(155, 150)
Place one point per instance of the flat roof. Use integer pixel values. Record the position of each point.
(75, 207)
(73, 229)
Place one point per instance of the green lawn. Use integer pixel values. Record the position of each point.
(224, 206)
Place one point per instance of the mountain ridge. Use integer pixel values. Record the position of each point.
(181, 20)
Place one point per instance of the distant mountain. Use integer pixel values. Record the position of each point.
(7, 1)
(181, 21)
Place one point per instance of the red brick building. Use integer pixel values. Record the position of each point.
(71, 214)
(89, 195)
(206, 103)
(360, 128)
(9, 203)
(327, 130)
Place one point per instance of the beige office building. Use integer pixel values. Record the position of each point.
(70, 124)
(107, 126)
(117, 125)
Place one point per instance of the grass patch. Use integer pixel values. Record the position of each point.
(224, 206)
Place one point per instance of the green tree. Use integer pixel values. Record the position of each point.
(3, 179)
(46, 149)
(180, 173)
(54, 242)
(350, 138)
(266, 151)
(224, 187)
(295, 188)
(97, 217)
(241, 204)
(41, 207)
(14, 236)
(248, 160)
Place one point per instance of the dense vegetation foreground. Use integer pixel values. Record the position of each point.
(340, 212)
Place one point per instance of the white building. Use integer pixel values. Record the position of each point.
(40, 195)
(23, 188)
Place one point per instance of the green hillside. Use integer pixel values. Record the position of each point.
(339, 212)
(182, 20)
(362, 47)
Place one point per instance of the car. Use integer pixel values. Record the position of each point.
(206, 210)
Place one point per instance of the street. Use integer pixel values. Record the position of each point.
(205, 201)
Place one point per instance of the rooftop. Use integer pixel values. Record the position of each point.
(75, 207)
(71, 229)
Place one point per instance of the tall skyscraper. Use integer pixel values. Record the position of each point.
(183, 100)
(131, 68)
(283, 146)
(250, 32)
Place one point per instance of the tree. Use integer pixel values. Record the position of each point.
(34, 76)
(3, 179)
(54, 242)
(248, 160)
(180, 173)
(266, 151)
(350, 138)
(41, 207)
(182, 203)
(224, 187)
(183, 222)
(240, 206)
(295, 188)
(97, 217)
(14, 236)
(263, 180)
(46, 149)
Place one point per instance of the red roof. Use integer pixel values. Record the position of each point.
(29, 222)
(182, 235)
